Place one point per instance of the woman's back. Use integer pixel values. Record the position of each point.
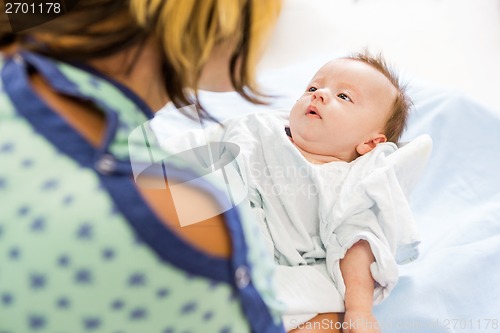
(82, 249)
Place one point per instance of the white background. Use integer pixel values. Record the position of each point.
(451, 43)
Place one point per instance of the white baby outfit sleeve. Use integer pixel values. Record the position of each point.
(372, 206)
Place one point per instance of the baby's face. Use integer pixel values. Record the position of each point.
(345, 106)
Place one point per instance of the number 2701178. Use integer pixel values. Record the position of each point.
(32, 8)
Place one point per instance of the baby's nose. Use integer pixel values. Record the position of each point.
(319, 94)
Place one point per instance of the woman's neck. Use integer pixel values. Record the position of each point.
(144, 76)
(145, 79)
(216, 75)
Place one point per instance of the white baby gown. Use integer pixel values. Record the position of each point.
(312, 214)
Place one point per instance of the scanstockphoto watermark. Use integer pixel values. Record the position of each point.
(176, 153)
(428, 325)
(291, 189)
(263, 170)
(179, 140)
(173, 141)
(333, 325)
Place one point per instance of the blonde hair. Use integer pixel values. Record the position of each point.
(398, 118)
(189, 30)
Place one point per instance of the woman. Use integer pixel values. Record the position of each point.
(83, 247)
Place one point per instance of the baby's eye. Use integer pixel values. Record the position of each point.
(312, 89)
(344, 97)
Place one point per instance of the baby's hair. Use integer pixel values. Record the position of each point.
(396, 123)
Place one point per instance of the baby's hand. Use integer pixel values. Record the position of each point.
(360, 322)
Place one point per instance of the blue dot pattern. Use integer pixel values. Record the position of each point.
(70, 262)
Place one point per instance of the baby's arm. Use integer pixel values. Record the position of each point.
(355, 268)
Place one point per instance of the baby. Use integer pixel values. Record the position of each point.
(350, 106)
(319, 182)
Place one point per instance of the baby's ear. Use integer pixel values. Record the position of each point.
(367, 146)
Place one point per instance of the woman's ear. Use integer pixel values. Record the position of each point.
(367, 146)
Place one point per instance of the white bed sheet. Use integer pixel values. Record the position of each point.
(454, 285)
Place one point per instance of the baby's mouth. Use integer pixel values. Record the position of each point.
(312, 111)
